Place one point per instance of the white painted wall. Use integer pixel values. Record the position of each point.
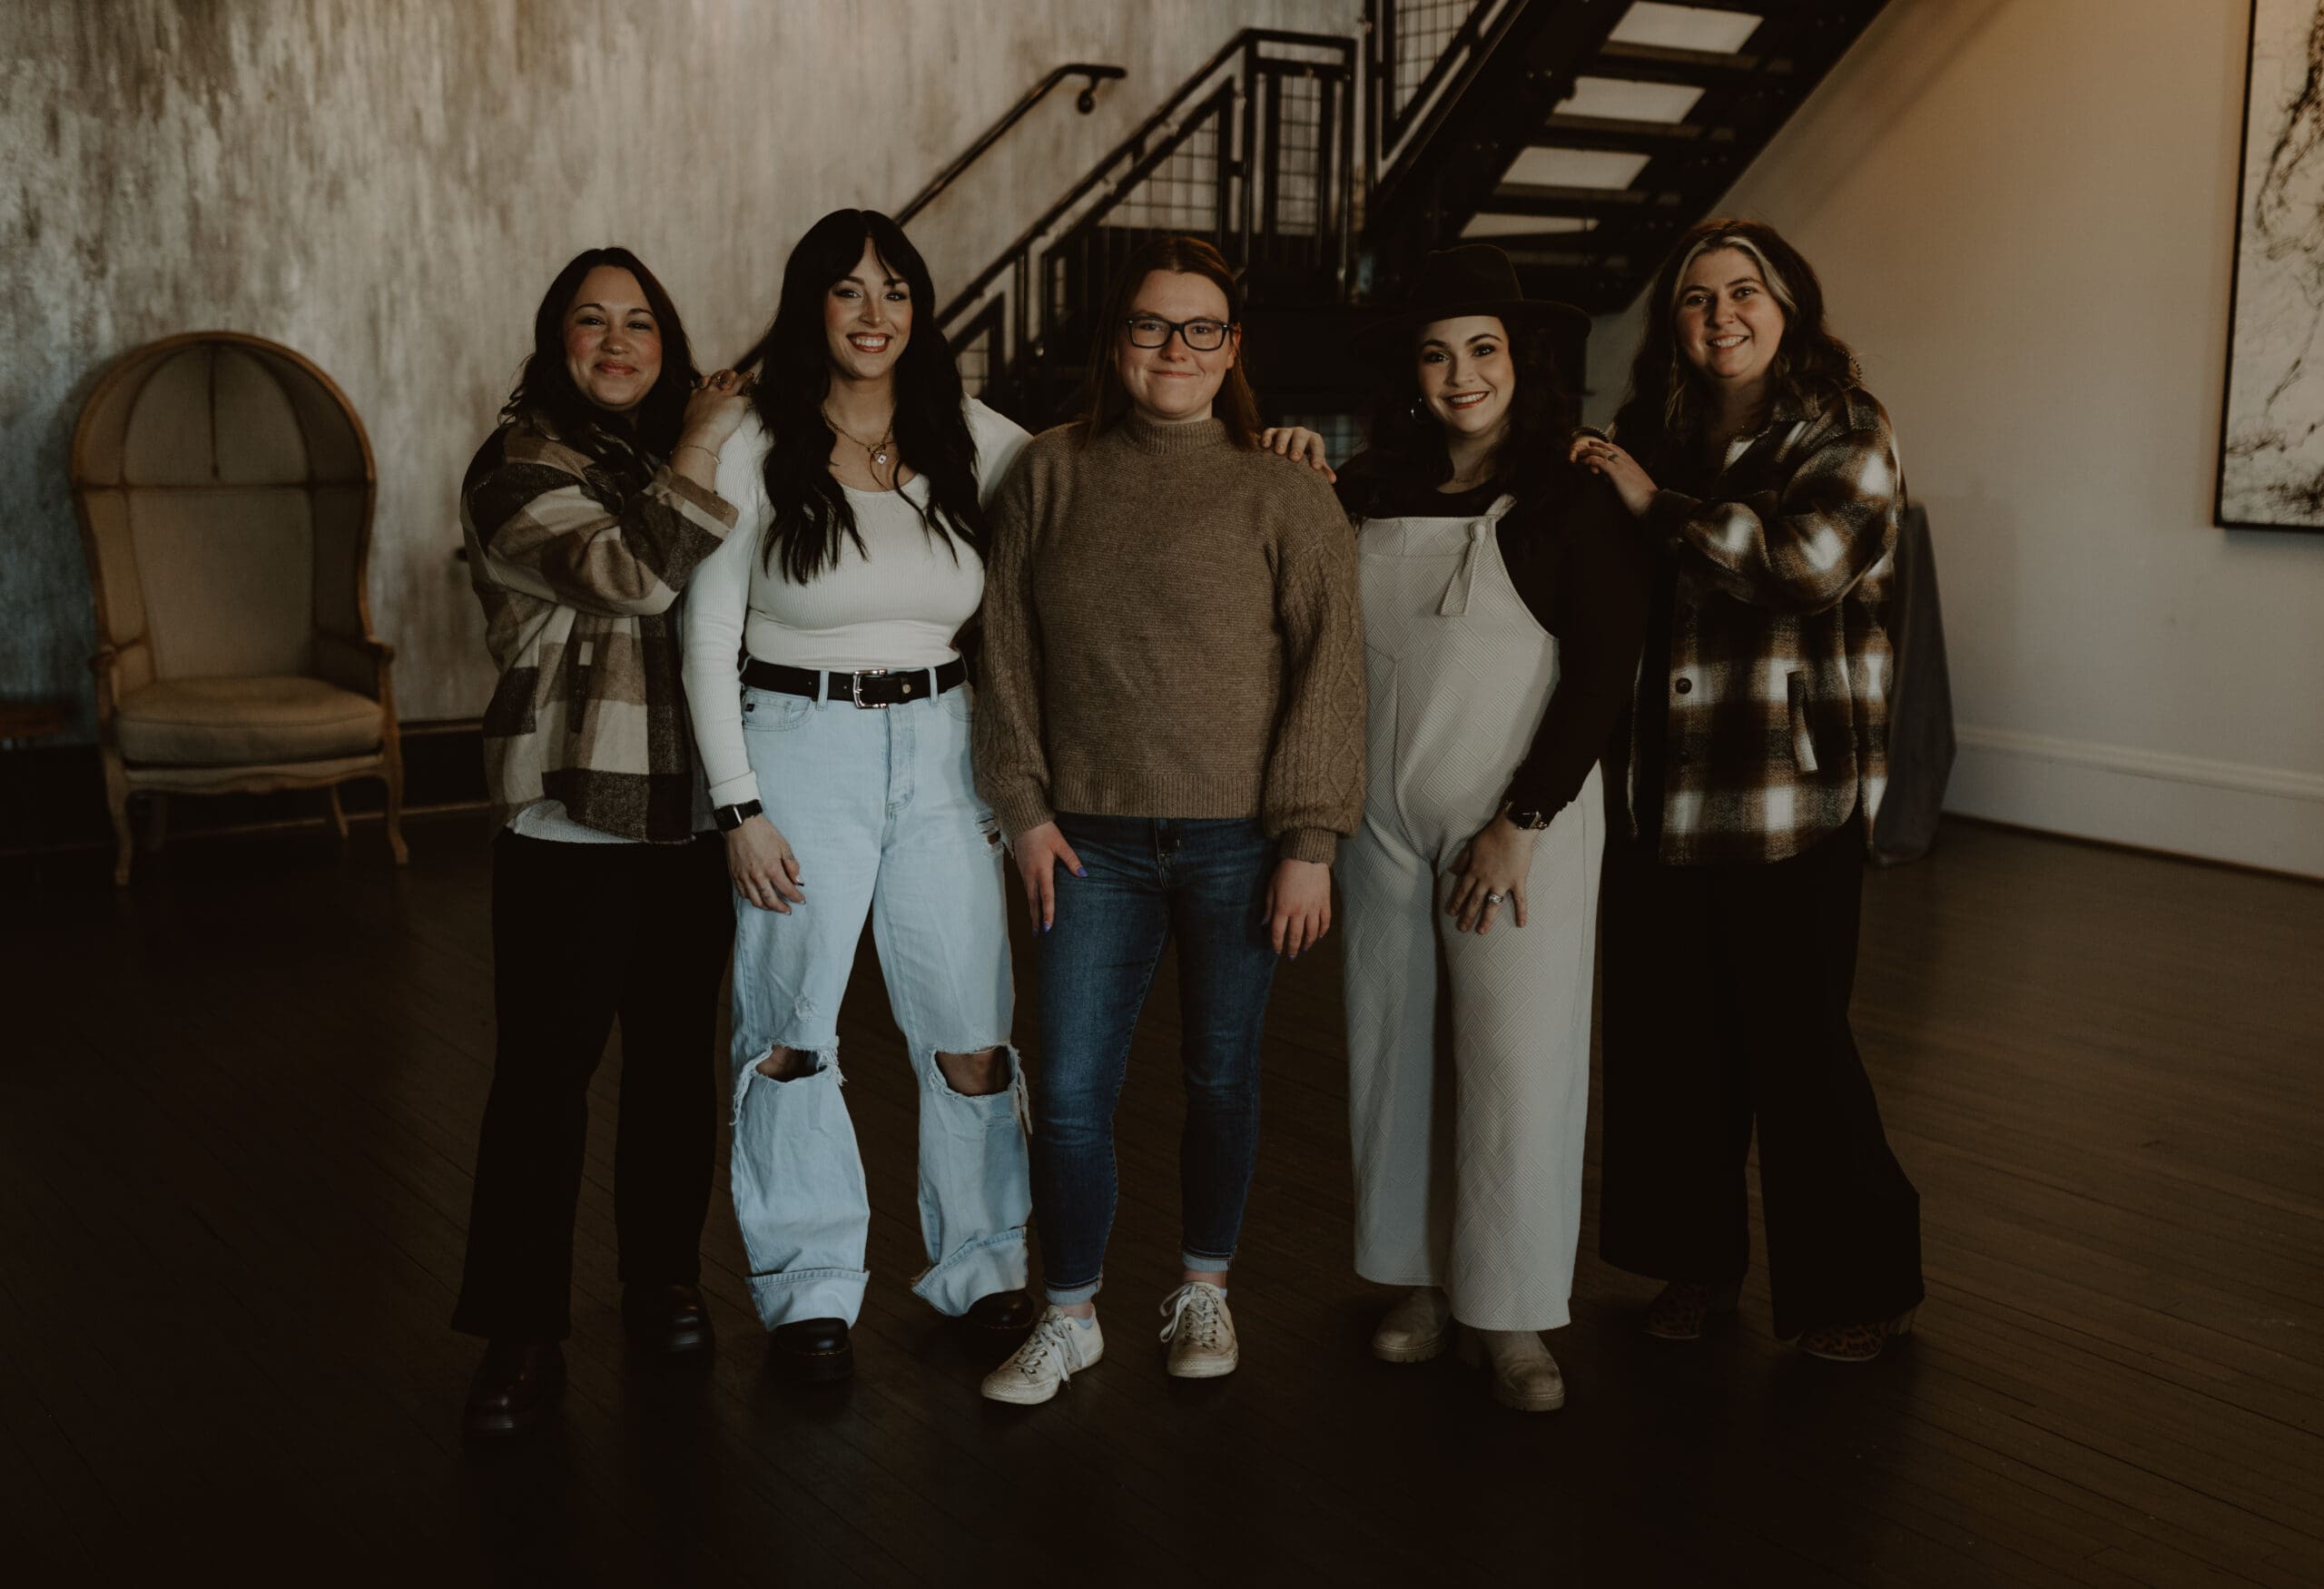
(2023, 211)
(387, 186)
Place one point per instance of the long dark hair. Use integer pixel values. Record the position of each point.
(1407, 442)
(1662, 415)
(629, 444)
(1104, 399)
(811, 514)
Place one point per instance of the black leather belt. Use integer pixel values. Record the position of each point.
(871, 688)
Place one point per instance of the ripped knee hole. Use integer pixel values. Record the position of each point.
(975, 1075)
(786, 1064)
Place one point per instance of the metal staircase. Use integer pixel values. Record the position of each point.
(1583, 136)
(1580, 136)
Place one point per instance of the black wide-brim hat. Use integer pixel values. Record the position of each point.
(1475, 278)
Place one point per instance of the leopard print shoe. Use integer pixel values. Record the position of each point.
(1854, 1343)
(1686, 1307)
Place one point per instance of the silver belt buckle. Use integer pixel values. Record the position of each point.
(855, 687)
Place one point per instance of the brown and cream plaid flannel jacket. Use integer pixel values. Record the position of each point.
(579, 577)
(1777, 688)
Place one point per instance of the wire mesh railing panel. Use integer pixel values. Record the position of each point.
(1345, 434)
(976, 350)
(1424, 29)
(1181, 194)
(1296, 172)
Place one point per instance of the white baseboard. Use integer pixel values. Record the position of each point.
(2221, 811)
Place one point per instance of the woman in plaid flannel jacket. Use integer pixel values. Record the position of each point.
(586, 512)
(1743, 786)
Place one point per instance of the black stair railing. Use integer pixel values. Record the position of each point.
(1487, 95)
(1417, 47)
(1091, 75)
(1256, 152)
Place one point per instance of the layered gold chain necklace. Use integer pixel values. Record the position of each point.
(877, 451)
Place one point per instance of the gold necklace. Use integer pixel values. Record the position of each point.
(877, 451)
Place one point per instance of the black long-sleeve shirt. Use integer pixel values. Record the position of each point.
(1584, 572)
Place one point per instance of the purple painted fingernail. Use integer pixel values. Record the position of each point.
(1079, 873)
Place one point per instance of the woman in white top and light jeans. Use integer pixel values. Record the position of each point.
(840, 769)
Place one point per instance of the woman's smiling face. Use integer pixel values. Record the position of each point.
(1728, 321)
(867, 318)
(1467, 377)
(613, 344)
(1175, 383)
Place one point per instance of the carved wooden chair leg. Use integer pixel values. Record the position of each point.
(125, 837)
(393, 775)
(337, 813)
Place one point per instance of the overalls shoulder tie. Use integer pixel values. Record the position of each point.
(1481, 529)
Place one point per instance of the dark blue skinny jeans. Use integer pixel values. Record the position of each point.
(1150, 879)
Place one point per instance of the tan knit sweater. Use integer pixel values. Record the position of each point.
(1172, 628)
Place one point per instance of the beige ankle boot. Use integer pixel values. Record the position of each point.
(1524, 1375)
(1418, 1327)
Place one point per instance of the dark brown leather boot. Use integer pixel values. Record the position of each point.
(668, 1319)
(812, 1351)
(1001, 1313)
(515, 1386)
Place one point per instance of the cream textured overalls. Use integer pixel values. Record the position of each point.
(1468, 1056)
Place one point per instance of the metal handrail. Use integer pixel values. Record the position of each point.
(1127, 147)
(1391, 123)
(1085, 102)
(1427, 119)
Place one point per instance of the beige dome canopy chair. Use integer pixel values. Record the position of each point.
(224, 487)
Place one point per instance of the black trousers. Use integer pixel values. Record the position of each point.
(582, 934)
(1727, 1000)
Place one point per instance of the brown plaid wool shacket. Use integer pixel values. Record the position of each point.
(1777, 681)
(579, 575)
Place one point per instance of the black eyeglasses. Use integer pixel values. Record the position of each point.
(1150, 330)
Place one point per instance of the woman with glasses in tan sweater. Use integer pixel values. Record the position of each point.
(1172, 734)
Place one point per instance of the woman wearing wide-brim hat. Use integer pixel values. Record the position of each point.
(1503, 609)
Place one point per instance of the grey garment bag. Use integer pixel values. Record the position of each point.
(1920, 702)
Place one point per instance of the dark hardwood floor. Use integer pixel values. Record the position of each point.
(238, 1104)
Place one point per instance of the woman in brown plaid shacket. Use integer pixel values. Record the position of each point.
(585, 514)
(1752, 760)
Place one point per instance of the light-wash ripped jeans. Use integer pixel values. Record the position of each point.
(881, 812)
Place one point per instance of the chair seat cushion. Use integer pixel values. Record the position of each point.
(234, 721)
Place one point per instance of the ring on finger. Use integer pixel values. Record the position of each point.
(1494, 899)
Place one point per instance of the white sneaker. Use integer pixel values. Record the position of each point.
(1524, 1375)
(1201, 1332)
(1418, 1327)
(1060, 1347)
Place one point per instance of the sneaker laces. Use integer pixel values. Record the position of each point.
(1194, 1308)
(1048, 1339)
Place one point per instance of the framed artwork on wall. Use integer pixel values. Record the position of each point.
(2271, 433)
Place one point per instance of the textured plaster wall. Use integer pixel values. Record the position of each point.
(388, 185)
(2023, 214)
